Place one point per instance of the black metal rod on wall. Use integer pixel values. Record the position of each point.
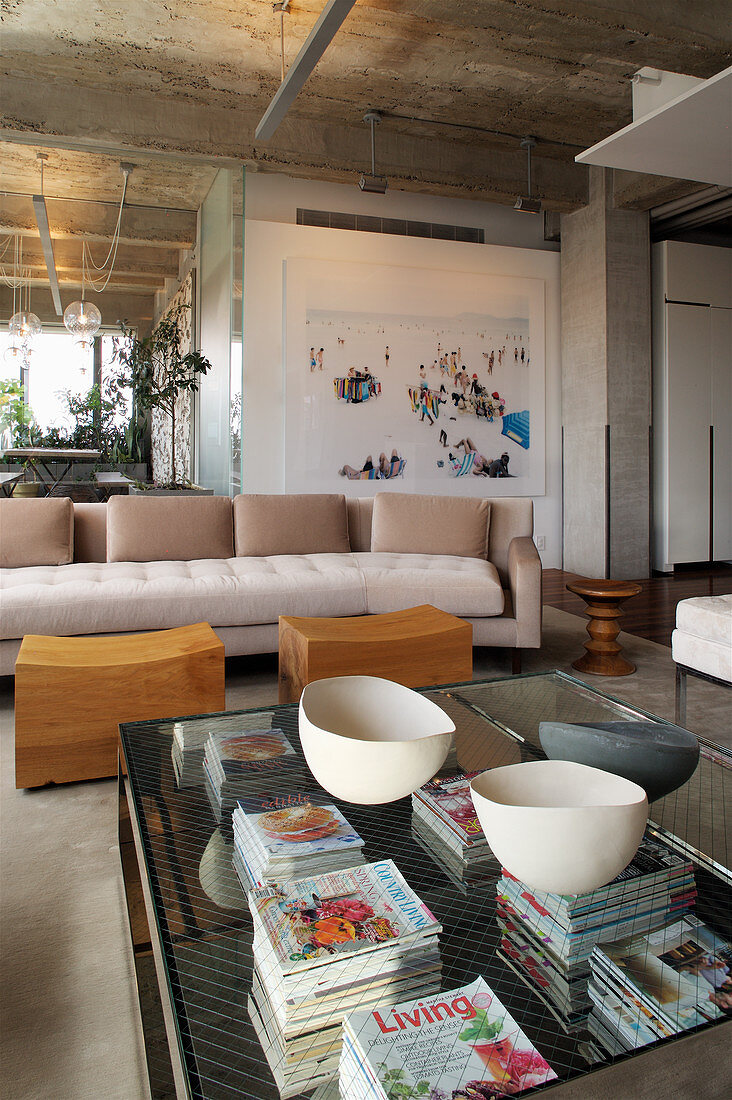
(607, 503)
(651, 512)
(710, 555)
(563, 497)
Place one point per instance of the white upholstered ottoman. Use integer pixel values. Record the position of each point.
(702, 644)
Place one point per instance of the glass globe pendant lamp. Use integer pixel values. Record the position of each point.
(83, 321)
(15, 352)
(24, 324)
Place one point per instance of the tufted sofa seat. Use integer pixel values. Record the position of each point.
(138, 565)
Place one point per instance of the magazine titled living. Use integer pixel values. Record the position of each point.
(313, 920)
(458, 1044)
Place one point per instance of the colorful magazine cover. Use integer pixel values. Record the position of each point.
(462, 1044)
(684, 969)
(451, 799)
(314, 920)
(298, 830)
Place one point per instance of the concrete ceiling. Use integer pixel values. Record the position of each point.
(83, 192)
(459, 83)
(194, 77)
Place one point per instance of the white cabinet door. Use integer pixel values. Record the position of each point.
(688, 345)
(721, 358)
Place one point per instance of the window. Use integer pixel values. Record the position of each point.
(57, 365)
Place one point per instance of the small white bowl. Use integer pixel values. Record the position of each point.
(558, 826)
(369, 740)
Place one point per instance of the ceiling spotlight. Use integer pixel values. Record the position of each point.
(374, 184)
(525, 203)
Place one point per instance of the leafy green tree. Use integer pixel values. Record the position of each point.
(157, 370)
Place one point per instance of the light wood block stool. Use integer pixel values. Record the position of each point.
(416, 647)
(72, 693)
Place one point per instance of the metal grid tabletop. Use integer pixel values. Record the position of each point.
(202, 925)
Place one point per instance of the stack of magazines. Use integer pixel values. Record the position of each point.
(462, 1044)
(649, 987)
(548, 938)
(288, 837)
(445, 823)
(561, 986)
(189, 743)
(239, 764)
(326, 945)
(187, 749)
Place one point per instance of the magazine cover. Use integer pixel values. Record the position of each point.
(311, 921)
(248, 753)
(299, 829)
(451, 799)
(462, 1044)
(683, 969)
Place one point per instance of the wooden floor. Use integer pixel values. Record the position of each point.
(652, 613)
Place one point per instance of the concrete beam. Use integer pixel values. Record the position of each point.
(121, 280)
(134, 307)
(481, 167)
(131, 259)
(636, 191)
(94, 221)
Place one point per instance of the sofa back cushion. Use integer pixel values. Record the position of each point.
(36, 532)
(408, 523)
(150, 528)
(308, 523)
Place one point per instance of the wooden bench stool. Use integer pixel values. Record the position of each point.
(72, 693)
(416, 647)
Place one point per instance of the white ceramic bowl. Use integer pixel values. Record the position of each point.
(559, 826)
(369, 740)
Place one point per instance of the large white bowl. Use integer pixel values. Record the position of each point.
(369, 740)
(559, 826)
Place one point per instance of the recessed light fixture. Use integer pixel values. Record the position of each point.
(525, 203)
(374, 184)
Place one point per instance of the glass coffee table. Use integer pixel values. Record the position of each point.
(190, 923)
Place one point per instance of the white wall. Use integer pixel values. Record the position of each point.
(276, 198)
(269, 242)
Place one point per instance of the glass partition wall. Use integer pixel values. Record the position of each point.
(218, 447)
(180, 252)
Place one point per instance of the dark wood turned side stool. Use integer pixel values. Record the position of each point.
(603, 599)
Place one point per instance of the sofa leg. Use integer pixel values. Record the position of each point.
(680, 696)
(515, 662)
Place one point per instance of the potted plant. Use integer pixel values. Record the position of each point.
(160, 373)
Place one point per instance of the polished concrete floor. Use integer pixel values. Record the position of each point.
(70, 1028)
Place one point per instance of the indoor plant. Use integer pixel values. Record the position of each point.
(160, 373)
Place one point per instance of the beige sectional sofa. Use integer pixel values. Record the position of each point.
(137, 564)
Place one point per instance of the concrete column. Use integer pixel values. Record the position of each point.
(606, 386)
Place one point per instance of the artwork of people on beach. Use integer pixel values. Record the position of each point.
(433, 402)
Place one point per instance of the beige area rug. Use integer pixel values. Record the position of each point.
(70, 1027)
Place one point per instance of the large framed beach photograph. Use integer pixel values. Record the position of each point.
(420, 380)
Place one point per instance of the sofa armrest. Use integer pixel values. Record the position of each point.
(524, 578)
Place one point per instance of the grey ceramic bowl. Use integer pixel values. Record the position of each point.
(659, 756)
